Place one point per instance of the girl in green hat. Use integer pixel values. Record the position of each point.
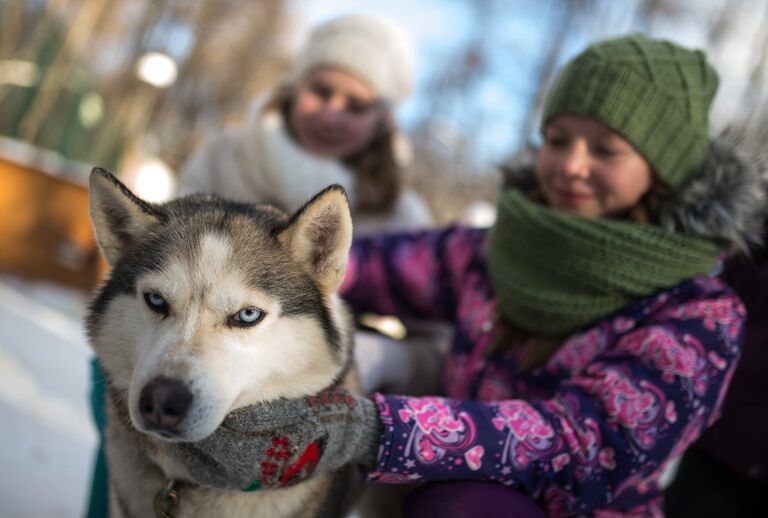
(593, 343)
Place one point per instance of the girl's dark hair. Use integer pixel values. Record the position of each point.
(378, 176)
(648, 208)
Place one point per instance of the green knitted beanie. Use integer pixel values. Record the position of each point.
(654, 93)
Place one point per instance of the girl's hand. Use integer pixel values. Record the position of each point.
(279, 443)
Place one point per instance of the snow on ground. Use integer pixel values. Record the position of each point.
(47, 440)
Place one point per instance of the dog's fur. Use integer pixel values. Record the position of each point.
(209, 259)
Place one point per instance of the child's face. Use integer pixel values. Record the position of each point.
(586, 169)
(334, 113)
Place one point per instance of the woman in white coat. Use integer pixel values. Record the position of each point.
(329, 122)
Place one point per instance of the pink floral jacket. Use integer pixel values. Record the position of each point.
(588, 433)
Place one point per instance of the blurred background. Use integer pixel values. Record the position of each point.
(134, 85)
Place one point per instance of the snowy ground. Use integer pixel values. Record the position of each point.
(46, 436)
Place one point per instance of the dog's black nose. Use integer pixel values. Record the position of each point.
(164, 403)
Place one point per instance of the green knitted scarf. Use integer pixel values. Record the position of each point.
(555, 273)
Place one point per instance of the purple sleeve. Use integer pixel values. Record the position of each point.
(415, 274)
(610, 428)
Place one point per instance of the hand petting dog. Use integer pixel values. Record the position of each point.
(280, 443)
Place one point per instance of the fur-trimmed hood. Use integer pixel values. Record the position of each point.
(724, 201)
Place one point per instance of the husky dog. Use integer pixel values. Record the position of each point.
(211, 306)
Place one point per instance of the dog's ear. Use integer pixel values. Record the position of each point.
(117, 215)
(319, 236)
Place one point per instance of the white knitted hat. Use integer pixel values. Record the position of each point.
(372, 48)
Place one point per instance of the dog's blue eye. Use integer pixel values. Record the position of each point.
(156, 302)
(247, 316)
